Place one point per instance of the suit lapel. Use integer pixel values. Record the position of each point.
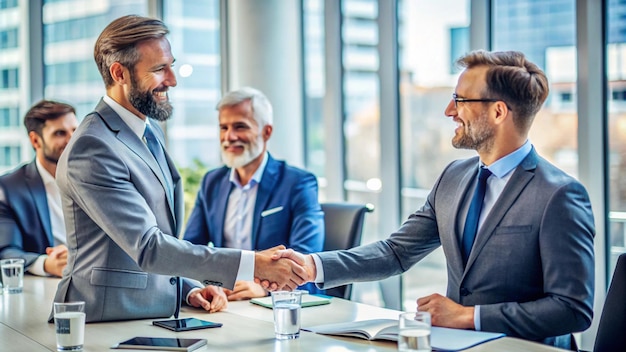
(125, 135)
(464, 187)
(38, 192)
(520, 178)
(268, 183)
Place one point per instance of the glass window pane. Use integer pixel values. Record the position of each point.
(427, 82)
(192, 131)
(616, 66)
(314, 86)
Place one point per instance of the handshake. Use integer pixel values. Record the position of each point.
(279, 268)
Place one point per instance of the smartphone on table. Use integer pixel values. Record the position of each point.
(185, 324)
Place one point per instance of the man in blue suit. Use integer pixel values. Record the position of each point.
(31, 217)
(254, 202)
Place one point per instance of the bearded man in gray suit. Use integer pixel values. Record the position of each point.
(122, 196)
(529, 270)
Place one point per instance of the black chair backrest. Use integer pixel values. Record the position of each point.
(611, 334)
(343, 227)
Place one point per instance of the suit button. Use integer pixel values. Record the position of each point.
(173, 280)
(465, 292)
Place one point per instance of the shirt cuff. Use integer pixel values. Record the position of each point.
(189, 294)
(477, 318)
(319, 277)
(37, 268)
(246, 266)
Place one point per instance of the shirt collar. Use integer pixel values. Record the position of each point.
(506, 164)
(46, 177)
(256, 178)
(134, 122)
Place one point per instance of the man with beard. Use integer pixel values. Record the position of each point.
(123, 201)
(516, 231)
(255, 201)
(31, 218)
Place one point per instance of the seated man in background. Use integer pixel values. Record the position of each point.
(254, 202)
(31, 217)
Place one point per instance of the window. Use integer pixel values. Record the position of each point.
(9, 78)
(10, 155)
(9, 38)
(9, 117)
(426, 86)
(192, 131)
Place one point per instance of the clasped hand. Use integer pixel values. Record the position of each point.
(279, 268)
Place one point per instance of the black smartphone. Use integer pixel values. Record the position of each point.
(186, 324)
(161, 344)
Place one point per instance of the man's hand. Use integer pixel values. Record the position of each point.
(211, 298)
(245, 290)
(56, 261)
(447, 313)
(305, 260)
(282, 274)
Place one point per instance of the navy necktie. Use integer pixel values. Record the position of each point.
(159, 156)
(473, 214)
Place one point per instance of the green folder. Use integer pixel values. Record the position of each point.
(308, 300)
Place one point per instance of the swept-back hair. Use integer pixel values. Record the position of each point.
(118, 42)
(513, 79)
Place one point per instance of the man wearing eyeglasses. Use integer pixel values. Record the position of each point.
(517, 232)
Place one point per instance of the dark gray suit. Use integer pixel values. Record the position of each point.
(531, 268)
(122, 230)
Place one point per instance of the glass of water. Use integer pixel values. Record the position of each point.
(414, 332)
(287, 306)
(12, 274)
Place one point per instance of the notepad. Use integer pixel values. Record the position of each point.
(308, 300)
(441, 339)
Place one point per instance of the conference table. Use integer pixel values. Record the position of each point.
(246, 327)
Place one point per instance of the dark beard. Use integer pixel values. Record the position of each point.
(145, 103)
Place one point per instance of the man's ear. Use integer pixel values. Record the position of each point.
(501, 111)
(35, 139)
(267, 132)
(119, 73)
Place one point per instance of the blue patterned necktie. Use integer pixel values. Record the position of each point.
(159, 155)
(473, 214)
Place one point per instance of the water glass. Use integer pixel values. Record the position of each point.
(287, 306)
(12, 274)
(69, 322)
(414, 332)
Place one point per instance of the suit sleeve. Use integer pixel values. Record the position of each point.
(11, 237)
(307, 227)
(567, 256)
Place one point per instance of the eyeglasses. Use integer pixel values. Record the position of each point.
(458, 100)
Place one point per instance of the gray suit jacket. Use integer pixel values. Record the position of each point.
(124, 252)
(531, 268)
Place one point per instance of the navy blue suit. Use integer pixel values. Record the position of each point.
(286, 210)
(25, 230)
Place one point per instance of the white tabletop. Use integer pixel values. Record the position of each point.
(247, 327)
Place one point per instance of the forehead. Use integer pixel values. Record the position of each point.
(153, 52)
(237, 113)
(472, 81)
(66, 122)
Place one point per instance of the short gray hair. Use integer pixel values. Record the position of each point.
(261, 106)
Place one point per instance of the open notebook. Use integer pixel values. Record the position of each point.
(441, 339)
(308, 300)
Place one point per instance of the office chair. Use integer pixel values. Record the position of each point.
(611, 334)
(343, 228)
